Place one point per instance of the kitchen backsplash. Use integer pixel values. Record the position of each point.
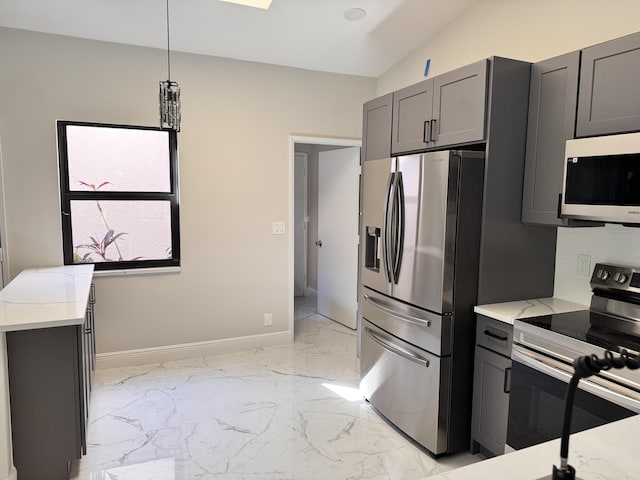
(609, 244)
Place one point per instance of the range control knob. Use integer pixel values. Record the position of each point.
(622, 278)
(604, 275)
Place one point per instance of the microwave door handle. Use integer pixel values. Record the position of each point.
(386, 221)
(544, 365)
(560, 205)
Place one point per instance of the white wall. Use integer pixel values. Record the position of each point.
(533, 30)
(234, 151)
(528, 30)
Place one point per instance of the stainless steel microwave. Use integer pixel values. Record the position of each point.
(602, 179)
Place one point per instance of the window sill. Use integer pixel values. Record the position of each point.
(136, 271)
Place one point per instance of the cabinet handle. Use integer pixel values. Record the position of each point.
(489, 333)
(506, 387)
(426, 134)
(432, 128)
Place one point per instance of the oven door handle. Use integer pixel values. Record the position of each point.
(562, 372)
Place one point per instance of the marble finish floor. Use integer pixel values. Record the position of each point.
(277, 413)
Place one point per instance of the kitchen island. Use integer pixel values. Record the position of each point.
(609, 452)
(46, 320)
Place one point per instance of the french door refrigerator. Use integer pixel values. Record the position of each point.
(421, 221)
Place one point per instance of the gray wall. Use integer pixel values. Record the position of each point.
(234, 175)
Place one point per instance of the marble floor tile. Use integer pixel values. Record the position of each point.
(288, 412)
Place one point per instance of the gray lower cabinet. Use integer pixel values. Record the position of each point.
(50, 372)
(446, 110)
(491, 379)
(552, 112)
(609, 99)
(376, 128)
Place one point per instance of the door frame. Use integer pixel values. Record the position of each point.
(4, 257)
(301, 162)
(293, 139)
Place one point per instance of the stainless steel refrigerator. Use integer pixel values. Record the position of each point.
(421, 222)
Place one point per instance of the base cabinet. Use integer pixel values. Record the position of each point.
(491, 383)
(50, 373)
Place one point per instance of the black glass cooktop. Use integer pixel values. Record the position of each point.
(594, 328)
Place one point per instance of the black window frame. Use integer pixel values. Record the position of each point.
(66, 196)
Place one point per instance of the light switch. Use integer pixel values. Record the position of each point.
(278, 228)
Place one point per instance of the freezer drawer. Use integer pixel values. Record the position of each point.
(407, 385)
(419, 327)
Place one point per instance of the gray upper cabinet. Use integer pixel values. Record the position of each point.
(412, 107)
(609, 100)
(552, 112)
(446, 110)
(376, 128)
(459, 100)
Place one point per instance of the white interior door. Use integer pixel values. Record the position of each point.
(338, 191)
(300, 225)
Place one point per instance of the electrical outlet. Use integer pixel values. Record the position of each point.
(583, 265)
(277, 228)
(268, 319)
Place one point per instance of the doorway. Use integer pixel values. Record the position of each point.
(306, 155)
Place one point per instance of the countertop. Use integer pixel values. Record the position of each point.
(46, 297)
(608, 452)
(509, 311)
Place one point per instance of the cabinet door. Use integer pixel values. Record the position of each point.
(459, 99)
(552, 110)
(45, 383)
(490, 400)
(609, 99)
(412, 108)
(376, 128)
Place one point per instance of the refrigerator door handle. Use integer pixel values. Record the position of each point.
(394, 313)
(386, 225)
(399, 230)
(399, 351)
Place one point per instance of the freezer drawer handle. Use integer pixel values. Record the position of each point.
(401, 352)
(423, 322)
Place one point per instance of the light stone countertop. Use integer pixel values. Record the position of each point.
(509, 311)
(46, 297)
(608, 452)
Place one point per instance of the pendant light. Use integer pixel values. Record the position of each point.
(169, 94)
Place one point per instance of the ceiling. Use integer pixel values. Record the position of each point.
(309, 34)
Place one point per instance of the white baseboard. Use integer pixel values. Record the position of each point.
(184, 351)
(13, 474)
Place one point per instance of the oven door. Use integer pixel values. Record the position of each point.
(536, 400)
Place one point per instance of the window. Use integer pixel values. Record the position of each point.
(119, 195)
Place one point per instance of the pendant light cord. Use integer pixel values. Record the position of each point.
(168, 50)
